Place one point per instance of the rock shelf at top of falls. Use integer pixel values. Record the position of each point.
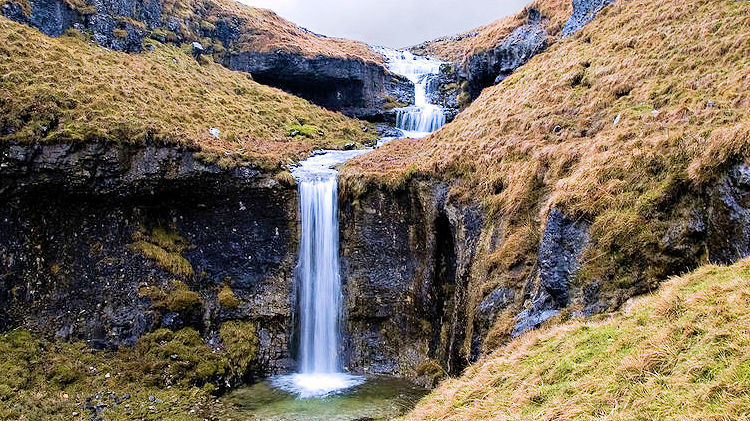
(423, 117)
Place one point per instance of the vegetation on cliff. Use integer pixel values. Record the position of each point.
(682, 353)
(69, 90)
(623, 125)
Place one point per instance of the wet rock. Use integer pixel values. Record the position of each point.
(386, 130)
(563, 241)
(729, 217)
(71, 214)
(443, 89)
(405, 265)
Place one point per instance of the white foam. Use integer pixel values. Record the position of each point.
(315, 385)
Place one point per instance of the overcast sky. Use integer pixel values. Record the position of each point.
(391, 23)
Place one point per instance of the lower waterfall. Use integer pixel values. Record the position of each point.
(319, 280)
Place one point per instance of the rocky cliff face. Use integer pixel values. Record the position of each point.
(104, 243)
(492, 66)
(406, 262)
(357, 87)
(417, 269)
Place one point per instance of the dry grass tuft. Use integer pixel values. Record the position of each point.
(634, 365)
(67, 90)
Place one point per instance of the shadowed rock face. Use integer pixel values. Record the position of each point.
(492, 66)
(353, 87)
(406, 257)
(69, 269)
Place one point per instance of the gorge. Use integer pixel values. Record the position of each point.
(183, 237)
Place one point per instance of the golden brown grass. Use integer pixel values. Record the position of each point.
(547, 136)
(65, 89)
(682, 353)
(555, 13)
(262, 30)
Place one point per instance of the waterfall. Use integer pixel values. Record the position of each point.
(318, 271)
(424, 117)
(319, 280)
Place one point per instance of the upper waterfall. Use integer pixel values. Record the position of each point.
(424, 117)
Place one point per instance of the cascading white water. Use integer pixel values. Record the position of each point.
(423, 118)
(318, 270)
(319, 280)
(320, 285)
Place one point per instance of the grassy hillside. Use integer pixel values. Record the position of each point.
(68, 90)
(259, 30)
(263, 30)
(680, 354)
(620, 125)
(556, 12)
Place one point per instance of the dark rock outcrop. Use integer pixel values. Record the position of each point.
(356, 88)
(444, 89)
(492, 66)
(549, 286)
(729, 217)
(406, 260)
(70, 266)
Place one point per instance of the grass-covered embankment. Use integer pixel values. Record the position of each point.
(166, 376)
(625, 125)
(682, 353)
(67, 89)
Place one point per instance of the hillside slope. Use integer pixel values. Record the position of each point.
(338, 74)
(611, 161)
(57, 90)
(682, 353)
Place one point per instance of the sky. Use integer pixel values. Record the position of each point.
(390, 23)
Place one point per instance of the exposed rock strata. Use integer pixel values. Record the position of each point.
(415, 267)
(354, 87)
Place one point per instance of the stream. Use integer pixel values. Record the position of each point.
(321, 389)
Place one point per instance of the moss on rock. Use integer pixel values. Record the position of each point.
(227, 299)
(165, 248)
(240, 341)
